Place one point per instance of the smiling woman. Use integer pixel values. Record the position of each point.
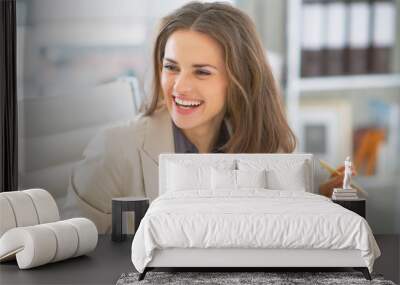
(194, 85)
(211, 53)
(213, 91)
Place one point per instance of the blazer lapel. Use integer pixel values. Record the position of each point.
(158, 138)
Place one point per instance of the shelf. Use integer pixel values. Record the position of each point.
(349, 82)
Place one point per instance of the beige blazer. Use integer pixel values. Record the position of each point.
(120, 161)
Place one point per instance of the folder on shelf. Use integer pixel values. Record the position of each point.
(359, 37)
(383, 35)
(335, 37)
(311, 38)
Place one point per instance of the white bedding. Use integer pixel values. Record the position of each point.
(250, 218)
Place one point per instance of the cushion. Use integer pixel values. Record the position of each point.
(31, 233)
(40, 244)
(281, 174)
(181, 178)
(187, 174)
(223, 179)
(7, 215)
(251, 178)
(27, 208)
(66, 236)
(45, 205)
(236, 179)
(294, 180)
(23, 208)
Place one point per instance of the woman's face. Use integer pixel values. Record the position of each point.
(194, 80)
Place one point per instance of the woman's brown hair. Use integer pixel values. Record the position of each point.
(254, 107)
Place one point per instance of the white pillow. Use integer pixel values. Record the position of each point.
(237, 179)
(282, 174)
(181, 177)
(251, 178)
(294, 180)
(189, 174)
(223, 179)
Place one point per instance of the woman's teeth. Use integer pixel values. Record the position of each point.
(187, 103)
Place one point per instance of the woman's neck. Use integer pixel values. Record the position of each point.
(204, 137)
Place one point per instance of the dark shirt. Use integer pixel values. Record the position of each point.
(183, 145)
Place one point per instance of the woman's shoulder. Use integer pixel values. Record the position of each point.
(129, 130)
(115, 138)
(133, 130)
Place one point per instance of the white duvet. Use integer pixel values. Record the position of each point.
(251, 218)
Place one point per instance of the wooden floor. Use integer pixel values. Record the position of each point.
(110, 260)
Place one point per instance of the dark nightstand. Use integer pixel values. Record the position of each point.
(119, 205)
(357, 206)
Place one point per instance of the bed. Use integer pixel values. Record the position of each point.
(245, 211)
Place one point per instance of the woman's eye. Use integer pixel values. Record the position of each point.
(202, 72)
(169, 67)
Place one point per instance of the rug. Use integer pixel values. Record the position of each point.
(269, 278)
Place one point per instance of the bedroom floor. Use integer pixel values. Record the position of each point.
(389, 262)
(110, 260)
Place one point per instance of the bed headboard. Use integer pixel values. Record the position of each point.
(237, 159)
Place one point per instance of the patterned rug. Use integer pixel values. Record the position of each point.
(269, 278)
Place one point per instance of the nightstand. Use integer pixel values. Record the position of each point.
(119, 206)
(357, 205)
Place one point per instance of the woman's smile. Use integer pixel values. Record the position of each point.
(185, 106)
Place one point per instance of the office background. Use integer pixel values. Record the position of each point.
(83, 65)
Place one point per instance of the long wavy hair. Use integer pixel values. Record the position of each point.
(254, 106)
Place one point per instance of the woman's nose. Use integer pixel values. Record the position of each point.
(183, 83)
